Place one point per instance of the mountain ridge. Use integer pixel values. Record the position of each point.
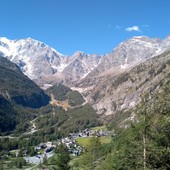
(91, 74)
(26, 53)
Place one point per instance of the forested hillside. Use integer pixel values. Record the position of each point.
(60, 123)
(61, 93)
(16, 93)
(18, 88)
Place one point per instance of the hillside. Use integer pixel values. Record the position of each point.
(63, 93)
(16, 93)
(18, 88)
(142, 145)
(7, 115)
(60, 123)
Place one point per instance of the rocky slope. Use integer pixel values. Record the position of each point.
(80, 66)
(123, 91)
(124, 57)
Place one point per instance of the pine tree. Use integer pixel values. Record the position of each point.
(45, 161)
(63, 157)
(92, 154)
(146, 144)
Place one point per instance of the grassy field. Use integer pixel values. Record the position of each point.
(99, 128)
(85, 141)
(105, 139)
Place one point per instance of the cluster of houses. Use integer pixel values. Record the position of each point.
(73, 147)
(70, 142)
(89, 133)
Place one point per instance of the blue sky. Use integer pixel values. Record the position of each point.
(92, 26)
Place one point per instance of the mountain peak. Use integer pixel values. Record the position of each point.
(27, 53)
(146, 39)
(42, 44)
(5, 40)
(29, 39)
(77, 53)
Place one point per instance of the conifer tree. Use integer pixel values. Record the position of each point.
(63, 157)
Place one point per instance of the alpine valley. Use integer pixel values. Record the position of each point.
(110, 83)
(112, 110)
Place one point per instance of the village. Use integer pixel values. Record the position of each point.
(75, 149)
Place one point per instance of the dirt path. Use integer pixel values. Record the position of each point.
(33, 127)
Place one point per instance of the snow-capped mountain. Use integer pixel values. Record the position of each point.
(138, 64)
(80, 66)
(46, 66)
(131, 52)
(125, 56)
(35, 58)
(43, 64)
